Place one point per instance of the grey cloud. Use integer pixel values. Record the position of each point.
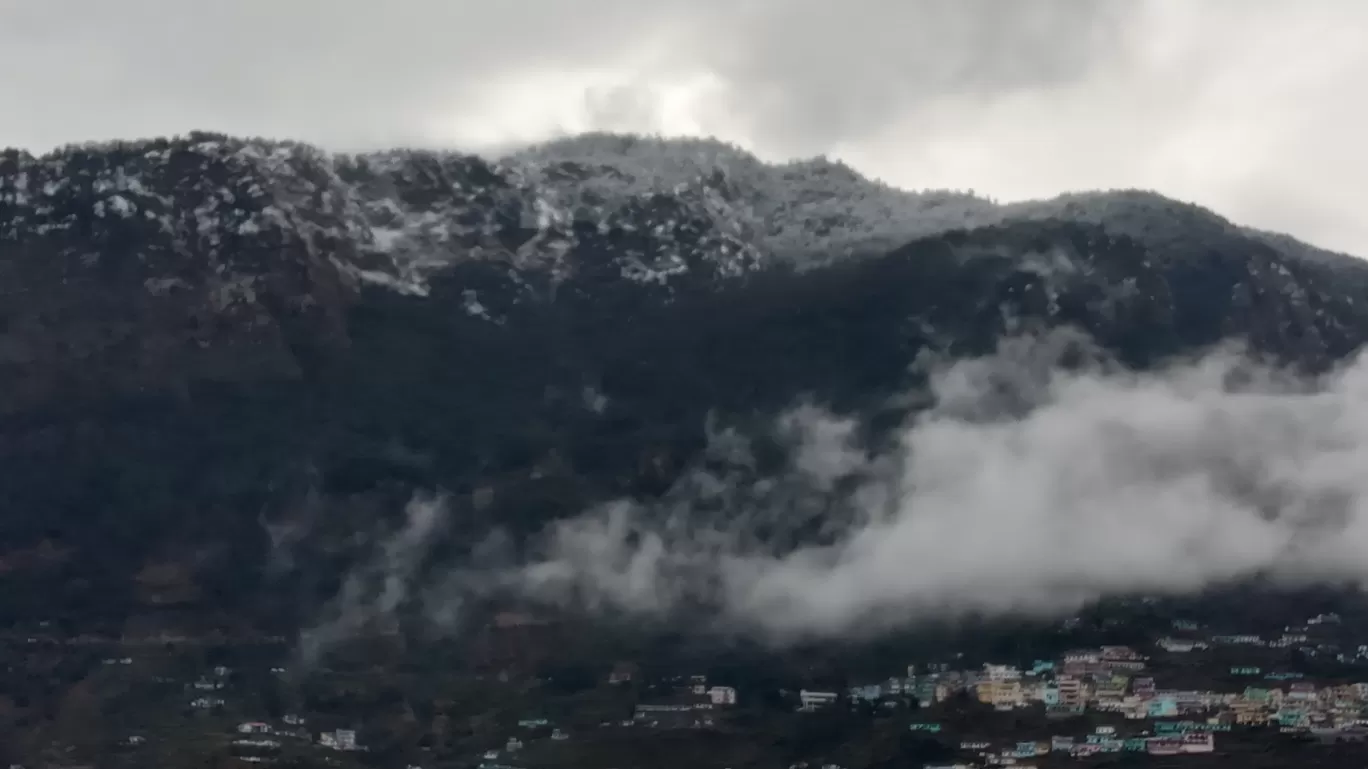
(809, 74)
(804, 72)
(342, 73)
(1242, 107)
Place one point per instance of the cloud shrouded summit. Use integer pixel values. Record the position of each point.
(1023, 487)
(1242, 107)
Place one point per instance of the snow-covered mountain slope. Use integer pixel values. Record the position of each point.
(397, 217)
(173, 253)
(197, 330)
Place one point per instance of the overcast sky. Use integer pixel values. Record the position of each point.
(1252, 107)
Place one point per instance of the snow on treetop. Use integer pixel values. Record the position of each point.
(408, 213)
(800, 210)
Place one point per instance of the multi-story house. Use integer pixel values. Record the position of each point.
(1143, 687)
(722, 695)
(1073, 690)
(1109, 691)
(1001, 694)
(1249, 712)
(1302, 691)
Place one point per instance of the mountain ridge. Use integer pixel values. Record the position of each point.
(203, 334)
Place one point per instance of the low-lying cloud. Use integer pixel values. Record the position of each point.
(372, 593)
(1023, 487)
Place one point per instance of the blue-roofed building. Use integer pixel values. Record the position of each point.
(1162, 707)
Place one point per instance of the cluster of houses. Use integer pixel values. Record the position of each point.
(1304, 638)
(691, 704)
(1113, 680)
(1102, 677)
(1104, 739)
(207, 689)
(260, 742)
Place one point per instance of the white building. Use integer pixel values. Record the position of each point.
(1001, 673)
(338, 739)
(1177, 645)
(814, 700)
(722, 695)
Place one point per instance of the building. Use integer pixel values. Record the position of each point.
(677, 712)
(1238, 640)
(255, 727)
(1161, 707)
(339, 739)
(1001, 673)
(1197, 742)
(1120, 654)
(811, 700)
(1249, 713)
(1073, 692)
(722, 695)
(1111, 690)
(1164, 746)
(1301, 691)
(867, 693)
(1003, 694)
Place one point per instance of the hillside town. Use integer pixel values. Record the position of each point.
(1187, 695)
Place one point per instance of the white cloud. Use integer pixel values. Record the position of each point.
(1023, 488)
(1109, 482)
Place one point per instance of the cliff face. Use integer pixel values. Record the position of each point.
(203, 334)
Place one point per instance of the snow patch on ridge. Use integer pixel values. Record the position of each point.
(658, 209)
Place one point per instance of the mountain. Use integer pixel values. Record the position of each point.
(216, 350)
